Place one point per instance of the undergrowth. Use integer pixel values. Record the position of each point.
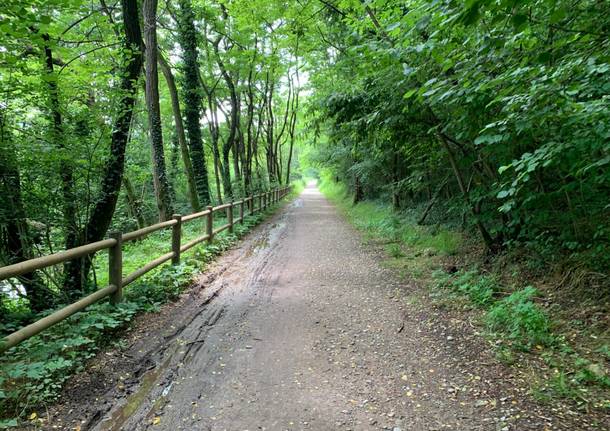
(515, 319)
(33, 373)
(379, 222)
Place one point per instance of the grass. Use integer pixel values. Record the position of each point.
(381, 223)
(33, 373)
(138, 253)
(515, 318)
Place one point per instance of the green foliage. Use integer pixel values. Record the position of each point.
(395, 250)
(520, 319)
(34, 372)
(380, 221)
(480, 289)
(515, 92)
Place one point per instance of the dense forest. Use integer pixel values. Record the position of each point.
(500, 107)
(489, 115)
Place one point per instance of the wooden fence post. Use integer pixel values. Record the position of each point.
(230, 216)
(210, 224)
(115, 266)
(251, 205)
(176, 235)
(241, 211)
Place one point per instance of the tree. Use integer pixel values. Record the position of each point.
(161, 182)
(112, 177)
(180, 134)
(191, 94)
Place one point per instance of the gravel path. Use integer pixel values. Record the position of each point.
(305, 330)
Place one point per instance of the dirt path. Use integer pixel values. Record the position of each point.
(305, 330)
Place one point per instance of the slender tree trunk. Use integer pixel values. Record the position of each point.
(395, 180)
(213, 127)
(226, 171)
(236, 159)
(433, 200)
(249, 134)
(180, 134)
(294, 116)
(234, 121)
(358, 193)
(160, 180)
(71, 286)
(134, 203)
(191, 94)
(270, 129)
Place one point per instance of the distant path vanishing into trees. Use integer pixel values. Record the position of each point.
(303, 328)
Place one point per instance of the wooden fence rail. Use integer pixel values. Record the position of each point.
(114, 244)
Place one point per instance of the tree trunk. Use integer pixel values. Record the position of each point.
(236, 158)
(180, 134)
(395, 180)
(226, 171)
(135, 206)
(249, 133)
(160, 180)
(293, 116)
(191, 94)
(229, 144)
(213, 127)
(70, 224)
(358, 193)
(433, 200)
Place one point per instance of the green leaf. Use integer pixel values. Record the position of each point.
(558, 15)
(410, 93)
(488, 139)
(504, 193)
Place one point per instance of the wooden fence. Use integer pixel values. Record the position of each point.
(115, 257)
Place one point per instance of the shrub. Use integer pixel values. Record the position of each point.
(480, 289)
(520, 319)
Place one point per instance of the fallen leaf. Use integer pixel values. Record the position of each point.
(156, 420)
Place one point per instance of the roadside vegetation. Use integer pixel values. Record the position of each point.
(562, 356)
